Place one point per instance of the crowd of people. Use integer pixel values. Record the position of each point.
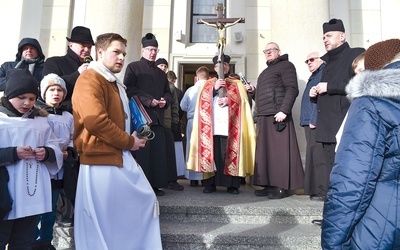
(69, 155)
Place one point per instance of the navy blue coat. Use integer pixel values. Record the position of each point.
(362, 210)
(308, 113)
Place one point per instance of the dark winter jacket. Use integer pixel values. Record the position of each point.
(277, 87)
(308, 113)
(333, 105)
(37, 73)
(145, 80)
(67, 68)
(362, 210)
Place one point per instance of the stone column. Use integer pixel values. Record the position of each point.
(123, 17)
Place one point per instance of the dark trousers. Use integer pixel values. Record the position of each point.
(329, 153)
(171, 159)
(220, 144)
(316, 170)
(19, 233)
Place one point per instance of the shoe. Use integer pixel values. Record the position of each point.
(194, 183)
(232, 190)
(317, 197)
(158, 192)
(209, 189)
(317, 222)
(242, 180)
(277, 193)
(264, 192)
(174, 185)
(65, 223)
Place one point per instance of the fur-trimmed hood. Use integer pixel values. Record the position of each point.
(383, 83)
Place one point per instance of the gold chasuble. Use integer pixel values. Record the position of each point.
(240, 153)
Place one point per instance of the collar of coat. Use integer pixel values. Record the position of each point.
(105, 72)
(284, 57)
(333, 53)
(384, 83)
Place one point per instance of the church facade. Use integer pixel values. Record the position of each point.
(296, 25)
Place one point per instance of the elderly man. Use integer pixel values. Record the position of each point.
(150, 84)
(70, 66)
(315, 166)
(29, 56)
(278, 167)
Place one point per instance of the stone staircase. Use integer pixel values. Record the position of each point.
(190, 219)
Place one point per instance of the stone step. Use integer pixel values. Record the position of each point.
(190, 219)
(222, 236)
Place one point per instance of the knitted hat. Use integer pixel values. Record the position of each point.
(333, 25)
(51, 80)
(149, 40)
(227, 59)
(161, 61)
(19, 82)
(381, 53)
(81, 34)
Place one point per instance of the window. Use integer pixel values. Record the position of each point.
(203, 9)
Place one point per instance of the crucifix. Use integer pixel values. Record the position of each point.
(221, 24)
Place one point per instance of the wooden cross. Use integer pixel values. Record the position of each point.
(221, 24)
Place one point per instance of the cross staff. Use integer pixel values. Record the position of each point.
(221, 24)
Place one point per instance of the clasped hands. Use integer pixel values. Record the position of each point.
(26, 152)
(160, 103)
(318, 89)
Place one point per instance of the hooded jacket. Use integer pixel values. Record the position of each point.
(362, 210)
(37, 73)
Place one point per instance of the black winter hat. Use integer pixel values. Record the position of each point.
(333, 25)
(227, 59)
(20, 81)
(81, 34)
(149, 40)
(161, 61)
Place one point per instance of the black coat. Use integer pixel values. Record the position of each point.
(333, 105)
(67, 68)
(145, 80)
(277, 87)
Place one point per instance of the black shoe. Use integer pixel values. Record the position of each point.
(174, 185)
(158, 192)
(194, 183)
(232, 190)
(263, 192)
(278, 193)
(317, 222)
(242, 180)
(317, 197)
(209, 189)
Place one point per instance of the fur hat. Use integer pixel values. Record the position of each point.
(149, 40)
(51, 80)
(227, 59)
(18, 82)
(381, 53)
(161, 61)
(333, 25)
(81, 34)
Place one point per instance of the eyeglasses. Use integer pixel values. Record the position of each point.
(269, 50)
(312, 59)
(152, 50)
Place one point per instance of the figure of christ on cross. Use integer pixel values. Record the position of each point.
(221, 28)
